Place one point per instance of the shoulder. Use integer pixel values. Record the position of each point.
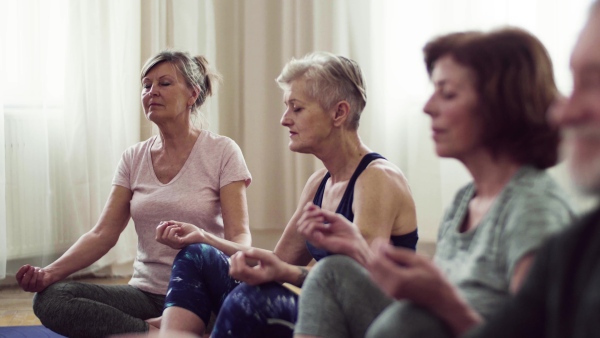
(315, 179)
(534, 190)
(382, 173)
(139, 148)
(213, 139)
(212, 145)
(533, 206)
(311, 186)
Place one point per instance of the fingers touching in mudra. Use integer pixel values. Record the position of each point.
(328, 230)
(178, 234)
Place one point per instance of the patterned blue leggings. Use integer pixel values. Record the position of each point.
(267, 310)
(200, 280)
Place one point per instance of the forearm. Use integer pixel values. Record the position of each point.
(456, 312)
(294, 274)
(240, 242)
(361, 252)
(89, 248)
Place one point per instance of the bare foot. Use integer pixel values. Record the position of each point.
(154, 323)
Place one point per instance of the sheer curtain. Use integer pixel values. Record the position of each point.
(71, 107)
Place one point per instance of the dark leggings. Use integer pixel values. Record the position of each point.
(200, 280)
(267, 310)
(76, 309)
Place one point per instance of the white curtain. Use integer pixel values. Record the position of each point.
(3, 241)
(71, 107)
(102, 112)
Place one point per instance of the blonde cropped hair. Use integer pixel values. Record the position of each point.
(329, 80)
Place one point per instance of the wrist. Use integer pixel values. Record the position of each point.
(53, 275)
(202, 236)
(289, 274)
(361, 252)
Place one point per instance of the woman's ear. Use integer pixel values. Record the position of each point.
(342, 112)
(195, 93)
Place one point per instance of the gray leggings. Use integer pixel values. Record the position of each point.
(339, 299)
(76, 309)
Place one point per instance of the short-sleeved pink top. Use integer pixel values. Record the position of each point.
(192, 196)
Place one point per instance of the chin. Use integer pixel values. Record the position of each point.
(444, 153)
(298, 148)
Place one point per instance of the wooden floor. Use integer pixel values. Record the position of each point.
(15, 304)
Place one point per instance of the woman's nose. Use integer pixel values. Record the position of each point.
(153, 90)
(429, 107)
(285, 120)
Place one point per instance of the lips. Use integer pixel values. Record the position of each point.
(436, 132)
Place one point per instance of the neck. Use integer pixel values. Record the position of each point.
(490, 174)
(174, 137)
(342, 158)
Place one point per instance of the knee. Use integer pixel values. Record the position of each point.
(199, 253)
(333, 268)
(246, 300)
(48, 303)
(410, 320)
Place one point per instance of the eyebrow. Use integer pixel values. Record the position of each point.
(291, 101)
(145, 77)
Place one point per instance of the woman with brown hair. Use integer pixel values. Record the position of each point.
(488, 111)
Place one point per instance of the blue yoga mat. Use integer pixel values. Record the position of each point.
(27, 332)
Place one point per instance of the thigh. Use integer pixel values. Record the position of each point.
(87, 310)
(339, 299)
(200, 280)
(406, 320)
(266, 310)
(125, 298)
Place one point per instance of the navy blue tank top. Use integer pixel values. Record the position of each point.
(345, 208)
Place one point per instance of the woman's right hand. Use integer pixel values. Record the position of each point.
(178, 235)
(33, 279)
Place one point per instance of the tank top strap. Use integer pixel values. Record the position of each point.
(345, 206)
(318, 199)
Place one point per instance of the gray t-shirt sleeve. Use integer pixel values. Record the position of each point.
(532, 218)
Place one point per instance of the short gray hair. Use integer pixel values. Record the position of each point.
(195, 70)
(329, 79)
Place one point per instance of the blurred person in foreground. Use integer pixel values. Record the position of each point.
(559, 298)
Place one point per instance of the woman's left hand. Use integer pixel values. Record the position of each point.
(269, 267)
(333, 232)
(178, 234)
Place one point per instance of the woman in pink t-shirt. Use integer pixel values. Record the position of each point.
(183, 173)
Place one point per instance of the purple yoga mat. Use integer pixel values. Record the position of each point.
(27, 332)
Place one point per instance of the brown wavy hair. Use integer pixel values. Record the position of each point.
(515, 85)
